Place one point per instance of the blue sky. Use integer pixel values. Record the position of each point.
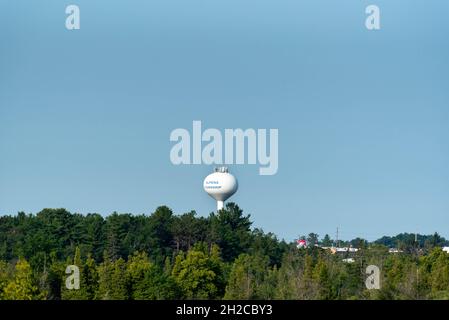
(86, 115)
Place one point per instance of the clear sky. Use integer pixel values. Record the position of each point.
(363, 116)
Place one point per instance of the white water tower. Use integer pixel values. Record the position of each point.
(220, 185)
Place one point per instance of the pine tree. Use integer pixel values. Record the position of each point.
(112, 280)
(5, 276)
(322, 280)
(308, 288)
(247, 277)
(327, 241)
(230, 229)
(439, 276)
(89, 278)
(137, 266)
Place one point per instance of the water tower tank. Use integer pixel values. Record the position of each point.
(220, 185)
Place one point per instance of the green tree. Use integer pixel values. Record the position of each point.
(327, 241)
(312, 239)
(95, 238)
(322, 280)
(187, 230)
(247, 277)
(439, 275)
(162, 239)
(137, 266)
(118, 231)
(22, 286)
(112, 280)
(5, 276)
(307, 286)
(231, 231)
(89, 278)
(150, 282)
(289, 276)
(199, 274)
(267, 244)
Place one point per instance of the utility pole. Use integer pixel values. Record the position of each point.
(416, 243)
(336, 241)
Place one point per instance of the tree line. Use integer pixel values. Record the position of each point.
(167, 256)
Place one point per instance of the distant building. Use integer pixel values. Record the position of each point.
(301, 243)
(335, 250)
(446, 249)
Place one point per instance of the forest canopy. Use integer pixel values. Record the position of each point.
(168, 256)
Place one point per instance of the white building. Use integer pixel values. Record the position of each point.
(394, 250)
